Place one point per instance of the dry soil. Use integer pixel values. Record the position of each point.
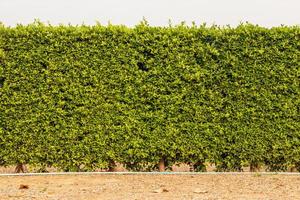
(143, 187)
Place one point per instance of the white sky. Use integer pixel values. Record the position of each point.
(157, 12)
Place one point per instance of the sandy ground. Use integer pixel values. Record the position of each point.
(125, 187)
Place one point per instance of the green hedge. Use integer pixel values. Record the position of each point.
(81, 97)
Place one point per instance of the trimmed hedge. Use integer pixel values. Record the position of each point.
(83, 97)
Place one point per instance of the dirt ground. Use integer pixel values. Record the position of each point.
(143, 187)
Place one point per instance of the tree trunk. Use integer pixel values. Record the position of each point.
(112, 166)
(254, 167)
(197, 167)
(21, 168)
(293, 169)
(161, 165)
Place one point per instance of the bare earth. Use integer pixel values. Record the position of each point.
(142, 187)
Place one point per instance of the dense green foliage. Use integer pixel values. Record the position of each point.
(80, 97)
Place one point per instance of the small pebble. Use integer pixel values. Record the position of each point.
(23, 187)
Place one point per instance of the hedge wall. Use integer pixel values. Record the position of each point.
(83, 97)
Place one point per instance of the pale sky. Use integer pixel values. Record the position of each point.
(157, 12)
